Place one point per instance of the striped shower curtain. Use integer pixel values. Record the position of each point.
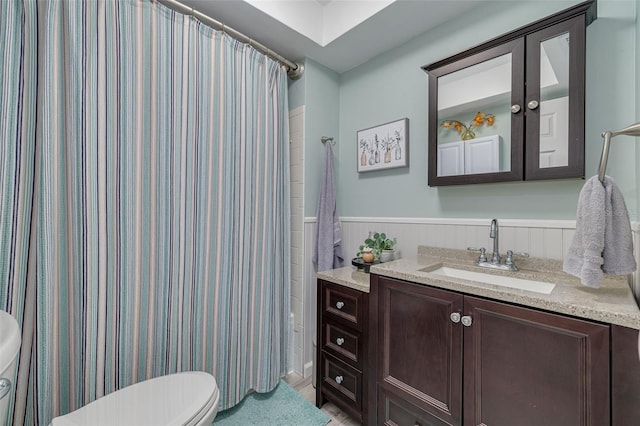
(161, 218)
(18, 86)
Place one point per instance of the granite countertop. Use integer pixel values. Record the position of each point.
(612, 303)
(349, 276)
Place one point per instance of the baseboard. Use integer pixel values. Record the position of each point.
(308, 369)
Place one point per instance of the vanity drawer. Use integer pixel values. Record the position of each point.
(343, 303)
(341, 380)
(343, 342)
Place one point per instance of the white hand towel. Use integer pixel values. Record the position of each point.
(602, 242)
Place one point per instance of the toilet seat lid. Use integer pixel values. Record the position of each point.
(176, 399)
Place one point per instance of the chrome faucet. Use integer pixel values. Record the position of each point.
(508, 264)
(495, 257)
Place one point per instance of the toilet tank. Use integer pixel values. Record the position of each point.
(9, 350)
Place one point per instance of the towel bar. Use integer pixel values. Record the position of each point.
(632, 130)
(326, 139)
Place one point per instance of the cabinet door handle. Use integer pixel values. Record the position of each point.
(455, 317)
(466, 321)
(533, 104)
(339, 379)
(339, 305)
(515, 108)
(339, 341)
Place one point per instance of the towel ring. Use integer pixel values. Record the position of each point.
(632, 130)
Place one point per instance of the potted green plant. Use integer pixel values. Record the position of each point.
(381, 246)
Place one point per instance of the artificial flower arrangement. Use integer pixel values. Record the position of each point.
(466, 131)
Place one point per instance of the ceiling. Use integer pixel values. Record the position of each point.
(339, 34)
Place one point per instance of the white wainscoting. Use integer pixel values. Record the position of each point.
(539, 238)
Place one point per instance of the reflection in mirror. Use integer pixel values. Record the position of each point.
(474, 119)
(554, 102)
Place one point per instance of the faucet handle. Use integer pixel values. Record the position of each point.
(510, 254)
(483, 253)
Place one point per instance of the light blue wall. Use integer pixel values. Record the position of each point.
(297, 91)
(393, 86)
(319, 92)
(612, 79)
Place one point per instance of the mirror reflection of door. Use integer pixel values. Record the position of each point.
(474, 118)
(554, 101)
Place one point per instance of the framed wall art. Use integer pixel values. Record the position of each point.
(385, 146)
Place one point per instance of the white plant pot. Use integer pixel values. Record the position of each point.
(387, 255)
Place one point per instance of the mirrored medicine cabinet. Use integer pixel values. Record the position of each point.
(512, 109)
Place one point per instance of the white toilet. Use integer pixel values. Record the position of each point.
(189, 399)
(9, 350)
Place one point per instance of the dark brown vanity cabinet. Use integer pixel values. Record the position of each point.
(527, 367)
(342, 353)
(513, 107)
(444, 358)
(625, 376)
(419, 366)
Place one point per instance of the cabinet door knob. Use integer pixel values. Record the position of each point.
(339, 379)
(533, 104)
(515, 108)
(339, 341)
(455, 317)
(339, 305)
(466, 321)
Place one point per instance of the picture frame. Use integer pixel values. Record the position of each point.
(385, 146)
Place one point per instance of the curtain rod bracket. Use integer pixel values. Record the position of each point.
(296, 73)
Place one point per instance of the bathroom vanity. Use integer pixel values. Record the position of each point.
(450, 350)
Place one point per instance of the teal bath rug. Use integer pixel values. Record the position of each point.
(283, 406)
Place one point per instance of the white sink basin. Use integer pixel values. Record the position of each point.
(529, 285)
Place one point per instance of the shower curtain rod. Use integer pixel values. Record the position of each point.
(294, 69)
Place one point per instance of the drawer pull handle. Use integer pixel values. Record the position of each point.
(339, 341)
(455, 317)
(339, 379)
(339, 305)
(466, 321)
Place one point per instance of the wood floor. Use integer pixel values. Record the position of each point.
(306, 389)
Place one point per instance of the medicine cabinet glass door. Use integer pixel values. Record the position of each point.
(555, 102)
(476, 133)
